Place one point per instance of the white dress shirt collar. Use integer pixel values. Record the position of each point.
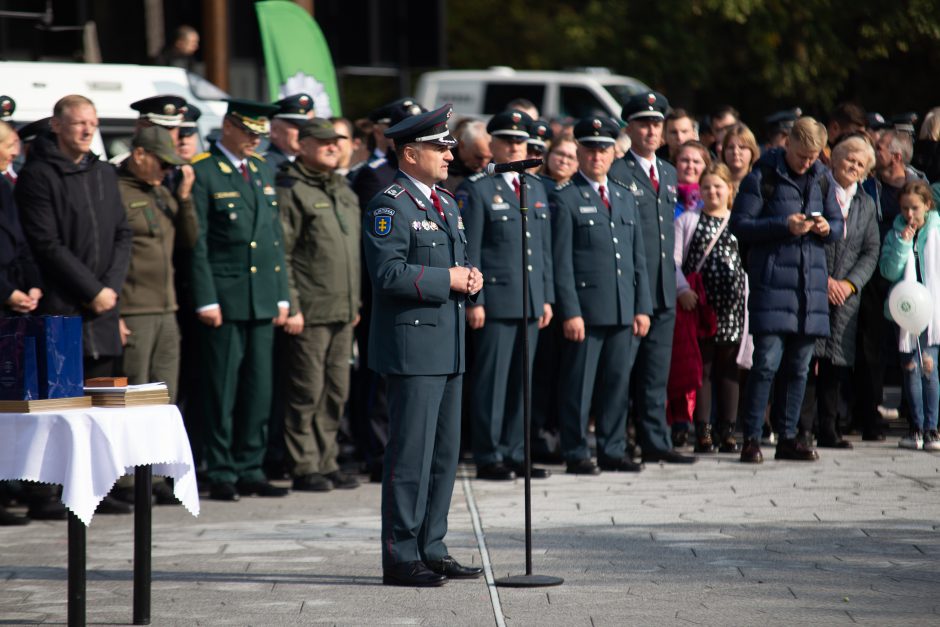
(646, 164)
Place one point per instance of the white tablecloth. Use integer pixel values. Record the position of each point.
(87, 450)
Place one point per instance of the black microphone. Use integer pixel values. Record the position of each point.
(512, 166)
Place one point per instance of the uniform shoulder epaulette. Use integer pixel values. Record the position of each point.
(378, 163)
(473, 178)
(201, 156)
(394, 190)
(558, 188)
(446, 191)
(257, 156)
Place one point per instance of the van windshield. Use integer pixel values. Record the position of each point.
(203, 89)
(622, 92)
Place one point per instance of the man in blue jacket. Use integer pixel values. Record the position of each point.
(785, 211)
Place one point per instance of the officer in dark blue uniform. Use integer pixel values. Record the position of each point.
(490, 206)
(415, 251)
(654, 186)
(292, 112)
(368, 404)
(602, 297)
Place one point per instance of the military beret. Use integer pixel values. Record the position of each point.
(319, 128)
(164, 110)
(295, 108)
(782, 121)
(540, 132)
(394, 112)
(7, 107)
(648, 104)
(429, 127)
(255, 117)
(510, 124)
(904, 121)
(188, 125)
(599, 131)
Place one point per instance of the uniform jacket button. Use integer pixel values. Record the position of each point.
(253, 269)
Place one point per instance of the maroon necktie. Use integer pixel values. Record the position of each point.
(653, 178)
(603, 192)
(515, 188)
(436, 201)
(9, 177)
(244, 169)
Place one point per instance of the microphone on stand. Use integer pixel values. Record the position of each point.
(512, 166)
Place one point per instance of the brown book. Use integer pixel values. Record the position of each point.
(44, 404)
(106, 382)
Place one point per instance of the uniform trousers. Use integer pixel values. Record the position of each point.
(152, 352)
(601, 362)
(650, 376)
(496, 406)
(420, 466)
(237, 360)
(317, 389)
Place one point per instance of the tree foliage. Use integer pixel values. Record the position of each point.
(760, 55)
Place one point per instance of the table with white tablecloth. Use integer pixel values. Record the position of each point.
(85, 451)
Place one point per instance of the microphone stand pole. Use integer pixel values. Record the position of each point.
(528, 580)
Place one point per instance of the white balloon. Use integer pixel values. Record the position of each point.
(911, 307)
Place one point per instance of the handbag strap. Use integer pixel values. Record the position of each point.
(711, 244)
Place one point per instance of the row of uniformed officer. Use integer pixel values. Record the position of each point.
(491, 211)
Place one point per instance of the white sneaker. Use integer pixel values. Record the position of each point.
(888, 413)
(913, 440)
(932, 440)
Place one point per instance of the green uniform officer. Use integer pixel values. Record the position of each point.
(239, 288)
(415, 251)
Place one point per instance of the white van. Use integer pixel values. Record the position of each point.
(482, 93)
(112, 87)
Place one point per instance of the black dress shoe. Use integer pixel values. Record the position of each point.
(375, 472)
(110, 505)
(795, 450)
(873, 436)
(582, 467)
(163, 494)
(314, 482)
(667, 457)
(619, 465)
(224, 491)
(450, 568)
(536, 473)
(342, 481)
(412, 575)
(836, 443)
(750, 453)
(260, 488)
(495, 472)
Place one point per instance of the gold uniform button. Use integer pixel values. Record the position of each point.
(277, 268)
(254, 269)
(253, 244)
(230, 205)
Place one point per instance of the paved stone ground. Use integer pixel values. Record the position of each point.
(850, 539)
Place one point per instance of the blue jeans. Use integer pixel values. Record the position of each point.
(922, 393)
(792, 353)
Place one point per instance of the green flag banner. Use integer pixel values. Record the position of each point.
(296, 56)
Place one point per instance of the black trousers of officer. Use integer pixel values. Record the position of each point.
(420, 466)
(650, 375)
(602, 363)
(496, 406)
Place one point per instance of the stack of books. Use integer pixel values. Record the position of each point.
(44, 404)
(129, 396)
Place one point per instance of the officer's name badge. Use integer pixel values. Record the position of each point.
(587, 209)
(268, 190)
(424, 225)
(218, 195)
(226, 168)
(382, 220)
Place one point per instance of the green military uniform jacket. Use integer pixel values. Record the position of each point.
(321, 220)
(159, 223)
(418, 322)
(238, 259)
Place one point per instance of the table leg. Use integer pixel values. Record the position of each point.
(76, 571)
(142, 542)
